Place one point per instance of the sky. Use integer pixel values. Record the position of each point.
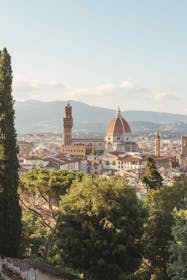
(105, 53)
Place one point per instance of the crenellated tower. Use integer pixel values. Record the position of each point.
(157, 144)
(68, 125)
(183, 156)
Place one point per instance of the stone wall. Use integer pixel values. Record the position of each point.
(15, 269)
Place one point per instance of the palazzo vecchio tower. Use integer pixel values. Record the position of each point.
(68, 125)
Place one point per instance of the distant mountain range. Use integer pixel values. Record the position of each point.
(37, 116)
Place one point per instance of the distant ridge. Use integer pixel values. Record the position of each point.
(38, 116)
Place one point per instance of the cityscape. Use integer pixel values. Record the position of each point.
(93, 140)
(116, 153)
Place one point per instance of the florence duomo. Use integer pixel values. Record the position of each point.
(118, 135)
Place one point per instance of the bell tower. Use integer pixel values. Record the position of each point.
(183, 156)
(157, 144)
(67, 125)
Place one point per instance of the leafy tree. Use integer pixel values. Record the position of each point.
(101, 224)
(151, 178)
(40, 191)
(34, 235)
(158, 228)
(10, 213)
(178, 247)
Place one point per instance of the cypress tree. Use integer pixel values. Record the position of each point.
(10, 213)
(152, 178)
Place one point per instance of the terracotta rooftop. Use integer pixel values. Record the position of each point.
(117, 126)
(32, 158)
(24, 142)
(88, 139)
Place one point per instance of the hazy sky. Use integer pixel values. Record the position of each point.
(102, 52)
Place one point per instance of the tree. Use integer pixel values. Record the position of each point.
(40, 191)
(34, 236)
(101, 224)
(152, 178)
(10, 213)
(178, 247)
(158, 227)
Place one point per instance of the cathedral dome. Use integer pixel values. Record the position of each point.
(118, 126)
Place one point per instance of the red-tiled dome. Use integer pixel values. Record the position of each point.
(118, 126)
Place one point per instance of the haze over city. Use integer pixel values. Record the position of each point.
(105, 53)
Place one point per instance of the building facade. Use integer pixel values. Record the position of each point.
(25, 148)
(183, 156)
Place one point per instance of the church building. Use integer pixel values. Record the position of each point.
(119, 137)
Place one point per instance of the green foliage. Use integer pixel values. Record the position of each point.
(34, 236)
(178, 247)
(152, 178)
(158, 228)
(143, 272)
(40, 192)
(43, 180)
(10, 213)
(101, 224)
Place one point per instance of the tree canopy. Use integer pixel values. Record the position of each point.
(101, 224)
(158, 227)
(151, 178)
(178, 247)
(40, 192)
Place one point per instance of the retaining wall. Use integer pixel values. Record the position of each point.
(15, 269)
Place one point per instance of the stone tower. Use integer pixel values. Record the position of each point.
(67, 125)
(157, 144)
(183, 157)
